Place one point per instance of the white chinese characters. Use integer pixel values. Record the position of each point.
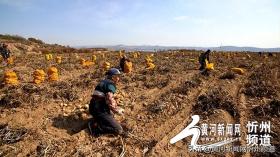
(258, 134)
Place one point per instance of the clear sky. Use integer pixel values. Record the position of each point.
(149, 22)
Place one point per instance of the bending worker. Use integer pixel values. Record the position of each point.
(103, 104)
(5, 52)
(202, 60)
(122, 62)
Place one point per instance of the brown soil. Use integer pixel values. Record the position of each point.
(50, 119)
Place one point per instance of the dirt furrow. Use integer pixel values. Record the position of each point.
(177, 122)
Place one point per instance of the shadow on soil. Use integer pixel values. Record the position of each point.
(70, 123)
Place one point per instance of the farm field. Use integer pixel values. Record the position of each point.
(50, 119)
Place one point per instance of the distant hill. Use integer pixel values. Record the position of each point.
(19, 45)
(153, 48)
(251, 49)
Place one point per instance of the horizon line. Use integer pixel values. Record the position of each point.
(141, 45)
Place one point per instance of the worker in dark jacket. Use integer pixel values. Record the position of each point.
(103, 104)
(204, 56)
(5, 52)
(122, 62)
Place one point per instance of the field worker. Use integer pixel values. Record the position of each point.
(125, 65)
(103, 104)
(122, 62)
(204, 56)
(5, 52)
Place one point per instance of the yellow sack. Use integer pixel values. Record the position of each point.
(209, 66)
(239, 71)
(39, 76)
(135, 55)
(52, 70)
(87, 64)
(10, 60)
(150, 66)
(106, 66)
(148, 60)
(49, 57)
(58, 59)
(53, 74)
(127, 67)
(93, 58)
(39, 72)
(10, 78)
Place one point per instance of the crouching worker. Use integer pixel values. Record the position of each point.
(103, 104)
(122, 62)
(202, 60)
(125, 65)
(5, 52)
